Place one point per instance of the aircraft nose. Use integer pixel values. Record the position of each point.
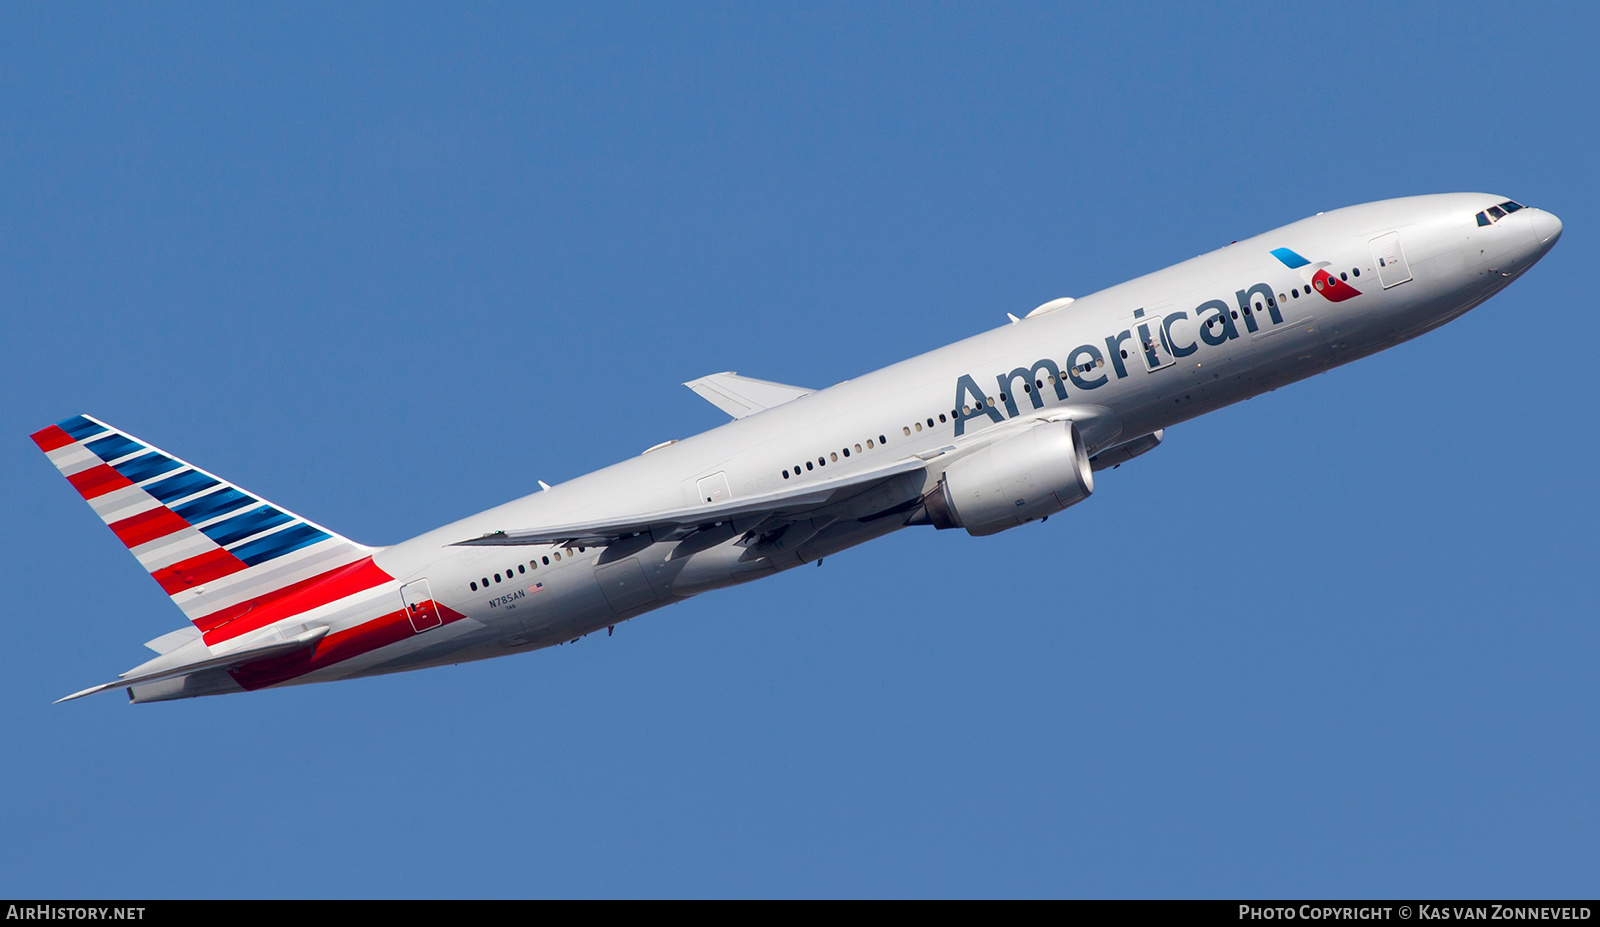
(1546, 228)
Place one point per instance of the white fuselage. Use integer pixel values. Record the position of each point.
(1124, 363)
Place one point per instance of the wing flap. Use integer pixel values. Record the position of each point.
(670, 524)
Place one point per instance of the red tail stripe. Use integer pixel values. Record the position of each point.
(290, 600)
(185, 574)
(335, 648)
(97, 481)
(51, 437)
(147, 526)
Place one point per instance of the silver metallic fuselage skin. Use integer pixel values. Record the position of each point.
(1453, 265)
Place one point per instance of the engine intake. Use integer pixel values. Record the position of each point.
(1035, 474)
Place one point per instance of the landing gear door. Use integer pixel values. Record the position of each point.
(1391, 260)
(420, 608)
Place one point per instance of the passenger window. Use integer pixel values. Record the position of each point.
(869, 444)
(834, 457)
(907, 431)
(474, 587)
(546, 560)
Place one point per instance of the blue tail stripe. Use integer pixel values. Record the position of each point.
(239, 527)
(276, 545)
(145, 466)
(212, 504)
(186, 483)
(114, 446)
(80, 427)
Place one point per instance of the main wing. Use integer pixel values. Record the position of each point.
(769, 510)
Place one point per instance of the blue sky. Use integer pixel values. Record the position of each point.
(388, 265)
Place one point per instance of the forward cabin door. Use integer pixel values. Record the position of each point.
(420, 609)
(1391, 260)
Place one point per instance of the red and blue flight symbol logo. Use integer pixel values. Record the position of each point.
(1331, 287)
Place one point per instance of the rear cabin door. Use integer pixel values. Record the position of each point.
(424, 614)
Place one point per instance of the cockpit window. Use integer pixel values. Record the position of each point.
(1496, 213)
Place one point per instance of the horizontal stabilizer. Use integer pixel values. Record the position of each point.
(666, 525)
(172, 640)
(227, 660)
(741, 396)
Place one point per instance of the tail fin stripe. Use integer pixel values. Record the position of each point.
(148, 526)
(114, 447)
(347, 581)
(186, 483)
(274, 546)
(313, 560)
(97, 481)
(73, 458)
(51, 438)
(120, 503)
(81, 427)
(298, 598)
(213, 564)
(174, 548)
(147, 466)
(239, 527)
(213, 504)
(209, 544)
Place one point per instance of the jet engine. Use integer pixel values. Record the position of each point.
(1035, 474)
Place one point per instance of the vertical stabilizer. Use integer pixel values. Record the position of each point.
(216, 549)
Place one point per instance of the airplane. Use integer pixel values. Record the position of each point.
(987, 434)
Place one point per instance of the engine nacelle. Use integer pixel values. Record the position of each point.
(1126, 451)
(1035, 474)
